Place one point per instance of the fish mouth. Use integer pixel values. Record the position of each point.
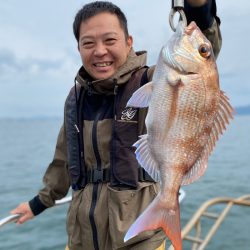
(190, 28)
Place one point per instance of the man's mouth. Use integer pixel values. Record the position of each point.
(102, 64)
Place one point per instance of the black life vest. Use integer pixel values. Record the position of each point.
(123, 165)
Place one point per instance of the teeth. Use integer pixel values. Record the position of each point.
(104, 64)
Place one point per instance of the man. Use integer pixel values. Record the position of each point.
(94, 152)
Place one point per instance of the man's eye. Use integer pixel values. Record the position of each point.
(110, 41)
(87, 44)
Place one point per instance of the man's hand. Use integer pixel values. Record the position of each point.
(25, 211)
(196, 3)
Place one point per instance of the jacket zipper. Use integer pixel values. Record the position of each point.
(112, 163)
(95, 185)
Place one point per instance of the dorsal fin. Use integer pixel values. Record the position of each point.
(224, 113)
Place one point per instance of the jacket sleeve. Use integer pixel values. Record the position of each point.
(56, 179)
(206, 18)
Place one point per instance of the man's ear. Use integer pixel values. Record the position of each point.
(130, 41)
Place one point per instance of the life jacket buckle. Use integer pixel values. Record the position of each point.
(97, 175)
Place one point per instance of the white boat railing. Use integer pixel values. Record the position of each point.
(199, 241)
(15, 217)
(194, 223)
(182, 195)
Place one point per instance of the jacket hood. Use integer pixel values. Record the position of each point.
(135, 61)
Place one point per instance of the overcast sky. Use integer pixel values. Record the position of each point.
(39, 57)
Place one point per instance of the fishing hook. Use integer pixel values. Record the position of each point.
(177, 6)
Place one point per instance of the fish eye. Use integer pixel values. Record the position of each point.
(205, 51)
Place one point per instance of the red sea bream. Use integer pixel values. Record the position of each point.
(187, 112)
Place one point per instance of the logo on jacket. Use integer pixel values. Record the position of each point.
(128, 114)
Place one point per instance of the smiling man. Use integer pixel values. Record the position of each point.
(103, 46)
(94, 153)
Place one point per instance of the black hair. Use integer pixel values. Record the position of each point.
(97, 7)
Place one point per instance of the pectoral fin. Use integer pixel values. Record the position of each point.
(141, 97)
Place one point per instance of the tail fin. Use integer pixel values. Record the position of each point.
(159, 216)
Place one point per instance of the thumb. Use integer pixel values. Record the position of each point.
(14, 211)
(20, 209)
(17, 210)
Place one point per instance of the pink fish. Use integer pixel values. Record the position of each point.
(187, 112)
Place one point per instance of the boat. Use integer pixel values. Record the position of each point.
(193, 230)
(15, 217)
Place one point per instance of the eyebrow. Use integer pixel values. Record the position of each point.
(105, 34)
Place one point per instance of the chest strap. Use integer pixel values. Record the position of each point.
(103, 175)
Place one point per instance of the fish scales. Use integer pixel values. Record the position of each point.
(187, 112)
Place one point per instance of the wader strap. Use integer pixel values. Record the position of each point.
(144, 78)
(96, 176)
(103, 176)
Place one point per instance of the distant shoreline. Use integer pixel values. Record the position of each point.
(35, 118)
(241, 110)
(244, 110)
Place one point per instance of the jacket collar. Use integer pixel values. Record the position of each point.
(135, 61)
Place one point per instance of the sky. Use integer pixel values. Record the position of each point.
(39, 57)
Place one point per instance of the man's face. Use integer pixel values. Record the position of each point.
(103, 46)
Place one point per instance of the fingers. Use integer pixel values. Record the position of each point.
(24, 210)
(23, 219)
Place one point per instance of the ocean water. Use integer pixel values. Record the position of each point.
(27, 147)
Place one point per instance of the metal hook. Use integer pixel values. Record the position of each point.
(177, 6)
(171, 18)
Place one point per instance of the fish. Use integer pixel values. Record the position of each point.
(187, 112)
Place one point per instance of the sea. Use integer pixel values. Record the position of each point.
(27, 147)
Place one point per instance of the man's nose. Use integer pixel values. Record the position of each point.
(100, 49)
